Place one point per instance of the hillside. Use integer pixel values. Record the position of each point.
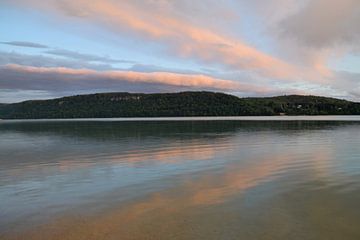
(106, 105)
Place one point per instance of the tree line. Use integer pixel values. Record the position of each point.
(107, 105)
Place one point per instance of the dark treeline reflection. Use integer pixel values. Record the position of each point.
(27, 143)
(113, 130)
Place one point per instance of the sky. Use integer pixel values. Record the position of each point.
(58, 48)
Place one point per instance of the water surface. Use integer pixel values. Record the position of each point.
(295, 178)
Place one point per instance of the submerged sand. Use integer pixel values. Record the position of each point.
(209, 210)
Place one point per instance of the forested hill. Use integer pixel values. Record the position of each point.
(106, 105)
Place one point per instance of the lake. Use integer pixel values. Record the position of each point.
(181, 178)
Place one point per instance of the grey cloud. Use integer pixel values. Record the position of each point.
(45, 61)
(325, 23)
(13, 79)
(155, 68)
(45, 85)
(349, 82)
(65, 79)
(85, 57)
(25, 44)
(13, 95)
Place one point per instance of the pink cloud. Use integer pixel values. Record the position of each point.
(163, 78)
(179, 36)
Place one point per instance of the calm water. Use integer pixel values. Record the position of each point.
(225, 179)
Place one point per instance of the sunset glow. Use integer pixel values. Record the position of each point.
(246, 48)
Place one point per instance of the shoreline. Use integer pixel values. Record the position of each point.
(199, 118)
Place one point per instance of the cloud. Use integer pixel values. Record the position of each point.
(347, 83)
(166, 24)
(85, 57)
(325, 23)
(13, 95)
(155, 68)
(178, 35)
(308, 34)
(25, 44)
(46, 61)
(39, 60)
(289, 44)
(60, 78)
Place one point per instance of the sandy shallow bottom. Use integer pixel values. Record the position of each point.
(185, 214)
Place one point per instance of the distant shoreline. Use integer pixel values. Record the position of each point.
(182, 104)
(223, 118)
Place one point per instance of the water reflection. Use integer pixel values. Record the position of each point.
(172, 168)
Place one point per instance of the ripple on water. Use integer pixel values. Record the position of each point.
(260, 175)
